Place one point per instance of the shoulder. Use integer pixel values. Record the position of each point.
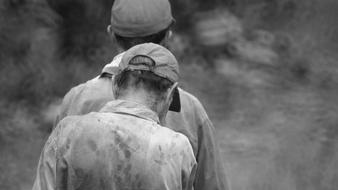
(86, 97)
(67, 124)
(193, 110)
(178, 145)
(170, 139)
(75, 91)
(78, 123)
(81, 129)
(80, 138)
(90, 84)
(191, 104)
(187, 96)
(172, 146)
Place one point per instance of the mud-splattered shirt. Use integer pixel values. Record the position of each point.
(192, 121)
(122, 147)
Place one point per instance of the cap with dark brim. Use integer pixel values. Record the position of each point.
(157, 59)
(176, 102)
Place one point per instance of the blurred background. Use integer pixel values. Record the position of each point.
(265, 70)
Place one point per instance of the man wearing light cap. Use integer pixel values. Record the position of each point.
(123, 146)
(141, 21)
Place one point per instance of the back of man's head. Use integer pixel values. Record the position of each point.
(142, 21)
(150, 70)
(146, 81)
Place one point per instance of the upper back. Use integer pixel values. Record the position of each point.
(94, 94)
(124, 152)
(87, 97)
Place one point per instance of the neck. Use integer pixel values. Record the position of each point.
(142, 97)
(137, 99)
(120, 49)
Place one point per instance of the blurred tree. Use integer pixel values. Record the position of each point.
(83, 25)
(24, 24)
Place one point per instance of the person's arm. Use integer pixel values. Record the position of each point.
(72, 95)
(66, 104)
(210, 171)
(46, 170)
(189, 165)
(86, 97)
(52, 167)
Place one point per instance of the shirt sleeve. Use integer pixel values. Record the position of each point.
(52, 168)
(85, 98)
(46, 170)
(210, 172)
(66, 102)
(70, 103)
(189, 166)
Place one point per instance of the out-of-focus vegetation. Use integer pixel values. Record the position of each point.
(266, 70)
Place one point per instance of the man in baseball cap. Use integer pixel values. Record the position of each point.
(130, 18)
(141, 21)
(123, 146)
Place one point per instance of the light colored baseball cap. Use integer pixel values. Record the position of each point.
(162, 63)
(138, 18)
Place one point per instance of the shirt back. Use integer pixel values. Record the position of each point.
(117, 151)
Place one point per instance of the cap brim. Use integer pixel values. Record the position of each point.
(176, 102)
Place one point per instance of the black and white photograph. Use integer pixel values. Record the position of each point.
(168, 94)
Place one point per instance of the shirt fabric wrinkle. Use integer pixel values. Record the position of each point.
(131, 108)
(118, 151)
(192, 121)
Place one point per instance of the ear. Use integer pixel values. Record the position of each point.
(114, 87)
(110, 30)
(166, 38)
(169, 34)
(170, 93)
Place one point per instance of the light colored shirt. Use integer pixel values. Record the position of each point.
(122, 147)
(192, 121)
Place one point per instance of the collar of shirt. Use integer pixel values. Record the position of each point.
(111, 67)
(130, 108)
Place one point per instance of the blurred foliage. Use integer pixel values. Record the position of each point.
(38, 37)
(266, 71)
